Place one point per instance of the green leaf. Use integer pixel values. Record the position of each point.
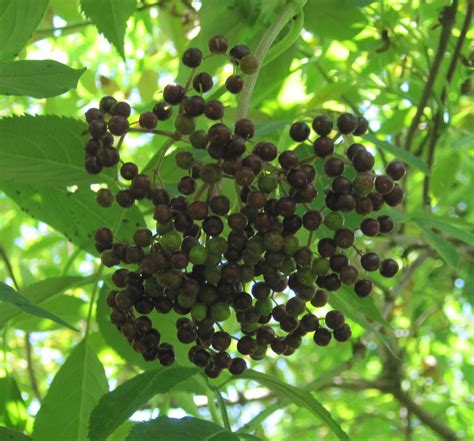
(12, 435)
(76, 215)
(183, 429)
(444, 173)
(447, 226)
(13, 411)
(300, 397)
(37, 78)
(402, 154)
(110, 17)
(46, 150)
(335, 19)
(9, 295)
(39, 293)
(443, 247)
(18, 20)
(70, 308)
(117, 406)
(73, 394)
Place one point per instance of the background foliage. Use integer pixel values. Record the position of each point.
(405, 65)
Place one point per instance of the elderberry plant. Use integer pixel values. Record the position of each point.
(296, 234)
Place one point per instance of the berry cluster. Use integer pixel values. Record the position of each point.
(262, 264)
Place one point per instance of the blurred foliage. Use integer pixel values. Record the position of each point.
(372, 58)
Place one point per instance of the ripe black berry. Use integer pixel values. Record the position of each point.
(234, 84)
(173, 93)
(299, 131)
(388, 268)
(192, 57)
(218, 44)
(346, 123)
(322, 125)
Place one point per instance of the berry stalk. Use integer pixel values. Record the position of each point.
(292, 9)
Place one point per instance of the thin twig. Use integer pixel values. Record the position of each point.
(9, 268)
(31, 368)
(438, 118)
(447, 22)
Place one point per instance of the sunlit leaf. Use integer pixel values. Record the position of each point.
(184, 429)
(9, 295)
(13, 412)
(110, 17)
(37, 78)
(117, 406)
(18, 20)
(73, 394)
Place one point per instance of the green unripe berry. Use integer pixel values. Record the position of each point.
(288, 266)
(212, 274)
(263, 307)
(273, 241)
(334, 221)
(199, 311)
(255, 246)
(363, 183)
(210, 173)
(216, 245)
(249, 327)
(199, 139)
(170, 279)
(291, 245)
(220, 312)
(247, 273)
(184, 160)
(267, 183)
(170, 241)
(249, 64)
(320, 266)
(198, 255)
(164, 228)
(186, 301)
(213, 259)
(251, 258)
(306, 276)
(184, 125)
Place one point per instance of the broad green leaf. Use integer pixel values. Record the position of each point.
(9, 295)
(443, 247)
(447, 227)
(76, 215)
(39, 293)
(70, 308)
(13, 411)
(37, 78)
(110, 17)
(336, 19)
(73, 394)
(400, 153)
(12, 435)
(184, 429)
(299, 397)
(444, 173)
(117, 406)
(147, 85)
(43, 150)
(18, 20)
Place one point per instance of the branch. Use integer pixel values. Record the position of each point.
(31, 369)
(438, 118)
(292, 9)
(447, 22)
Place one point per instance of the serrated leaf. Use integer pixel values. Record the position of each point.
(37, 78)
(18, 20)
(117, 406)
(402, 154)
(39, 293)
(183, 429)
(13, 411)
(9, 295)
(76, 215)
(298, 396)
(110, 17)
(44, 150)
(73, 394)
(7, 434)
(41, 156)
(443, 247)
